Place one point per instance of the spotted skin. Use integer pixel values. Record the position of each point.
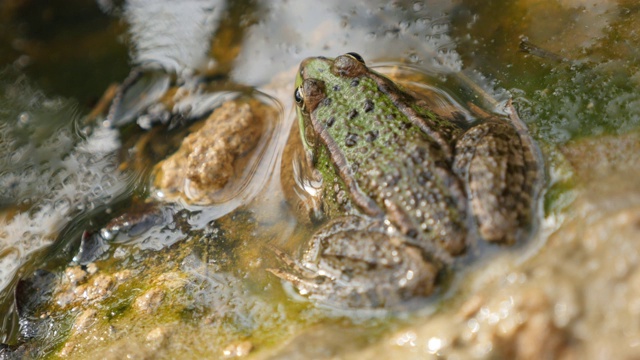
(390, 164)
(398, 177)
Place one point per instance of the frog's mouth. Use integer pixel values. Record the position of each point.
(303, 122)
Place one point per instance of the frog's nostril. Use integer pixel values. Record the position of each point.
(303, 64)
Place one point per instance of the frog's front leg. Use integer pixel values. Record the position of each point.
(352, 262)
(498, 167)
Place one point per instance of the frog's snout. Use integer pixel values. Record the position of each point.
(305, 64)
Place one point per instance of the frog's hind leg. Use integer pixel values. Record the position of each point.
(355, 263)
(494, 162)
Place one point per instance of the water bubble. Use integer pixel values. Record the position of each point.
(24, 118)
(434, 345)
(62, 205)
(144, 121)
(107, 234)
(86, 130)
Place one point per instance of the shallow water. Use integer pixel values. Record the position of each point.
(62, 174)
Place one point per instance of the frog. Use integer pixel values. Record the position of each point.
(404, 188)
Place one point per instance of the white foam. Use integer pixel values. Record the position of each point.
(48, 172)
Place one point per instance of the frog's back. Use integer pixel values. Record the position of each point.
(393, 162)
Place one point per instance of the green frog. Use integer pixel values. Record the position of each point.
(403, 188)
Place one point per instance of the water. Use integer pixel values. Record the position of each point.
(50, 171)
(60, 175)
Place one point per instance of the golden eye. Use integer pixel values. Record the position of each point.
(297, 96)
(355, 56)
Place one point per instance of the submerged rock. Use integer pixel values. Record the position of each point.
(208, 157)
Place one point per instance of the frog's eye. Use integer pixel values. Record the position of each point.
(356, 56)
(297, 96)
(349, 65)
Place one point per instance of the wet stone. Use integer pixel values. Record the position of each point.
(158, 337)
(207, 158)
(85, 320)
(236, 350)
(92, 268)
(123, 275)
(75, 275)
(100, 287)
(150, 300)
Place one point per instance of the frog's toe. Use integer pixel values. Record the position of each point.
(305, 285)
(303, 279)
(499, 229)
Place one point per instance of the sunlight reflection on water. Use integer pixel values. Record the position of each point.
(172, 35)
(49, 173)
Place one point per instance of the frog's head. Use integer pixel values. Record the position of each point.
(318, 72)
(318, 82)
